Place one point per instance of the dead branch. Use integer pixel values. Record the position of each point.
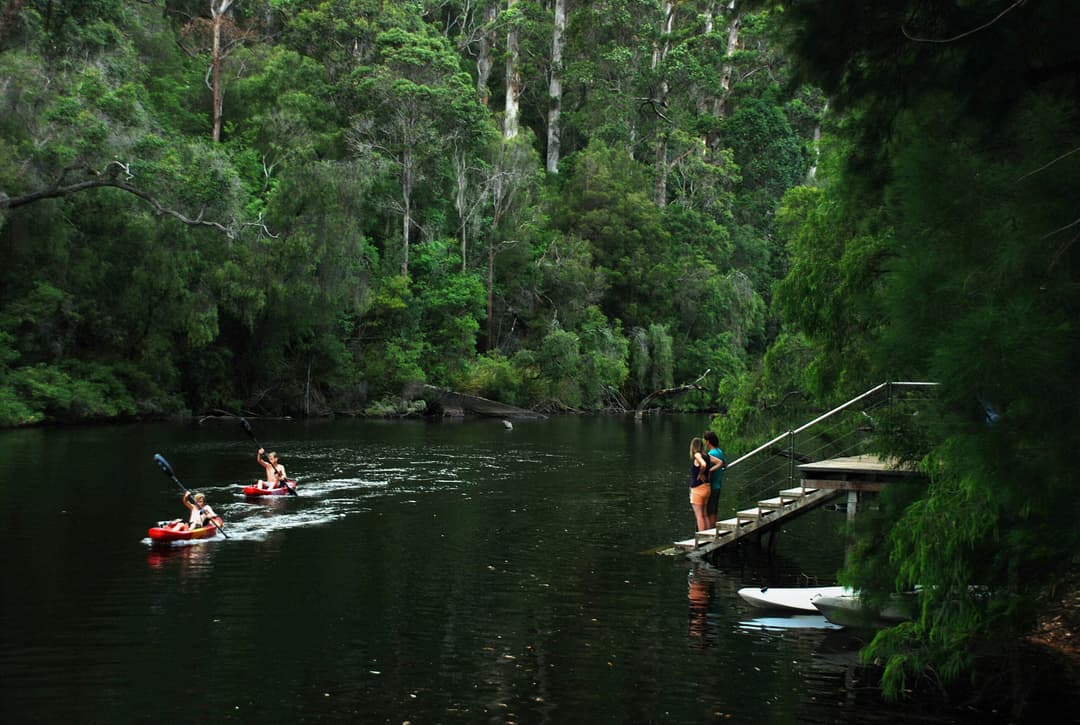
(788, 395)
(1049, 164)
(639, 411)
(984, 26)
(653, 103)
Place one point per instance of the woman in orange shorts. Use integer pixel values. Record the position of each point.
(699, 481)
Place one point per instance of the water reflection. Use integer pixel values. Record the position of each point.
(699, 598)
(191, 558)
(780, 623)
(431, 573)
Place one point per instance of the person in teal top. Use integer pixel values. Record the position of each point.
(717, 463)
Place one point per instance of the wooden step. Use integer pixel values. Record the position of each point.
(794, 494)
(731, 524)
(705, 535)
(773, 503)
(755, 514)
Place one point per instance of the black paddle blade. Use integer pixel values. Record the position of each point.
(247, 428)
(163, 464)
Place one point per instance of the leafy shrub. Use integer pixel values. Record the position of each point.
(14, 411)
(79, 391)
(492, 376)
(395, 407)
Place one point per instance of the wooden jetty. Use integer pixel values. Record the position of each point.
(855, 475)
(821, 482)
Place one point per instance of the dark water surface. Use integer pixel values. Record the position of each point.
(428, 572)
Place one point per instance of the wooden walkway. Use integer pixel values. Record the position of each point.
(767, 514)
(821, 481)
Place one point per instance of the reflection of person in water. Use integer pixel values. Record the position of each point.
(699, 596)
(193, 559)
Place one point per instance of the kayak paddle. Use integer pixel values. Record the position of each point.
(164, 466)
(251, 433)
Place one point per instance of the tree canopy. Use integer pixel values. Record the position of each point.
(294, 207)
(940, 246)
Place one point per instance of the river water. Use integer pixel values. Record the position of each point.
(427, 572)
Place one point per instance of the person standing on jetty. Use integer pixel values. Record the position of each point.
(717, 464)
(699, 481)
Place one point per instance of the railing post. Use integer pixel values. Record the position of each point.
(791, 460)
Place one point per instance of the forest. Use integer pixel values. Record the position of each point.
(301, 207)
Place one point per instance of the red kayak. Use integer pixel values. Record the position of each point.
(279, 491)
(164, 534)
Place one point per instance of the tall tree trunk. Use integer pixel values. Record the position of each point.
(461, 199)
(708, 17)
(500, 191)
(719, 109)
(485, 58)
(406, 208)
(660, 51)
(812, 171)
(513, 77)
(490, 342)
(218, 9)
(554, 131)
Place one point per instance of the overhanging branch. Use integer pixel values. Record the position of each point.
(670, 391)
(59, 190)
(55, 192)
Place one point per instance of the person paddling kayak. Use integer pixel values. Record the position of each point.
(275, 471)
(199, 516)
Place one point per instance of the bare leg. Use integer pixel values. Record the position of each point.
(699, 516)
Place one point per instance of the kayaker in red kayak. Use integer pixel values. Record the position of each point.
(200, 515)
(275, 471)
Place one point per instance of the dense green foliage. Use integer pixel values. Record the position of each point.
(364, 222)
(368, 220)
(941, 245)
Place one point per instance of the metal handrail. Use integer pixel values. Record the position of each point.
(790, 435)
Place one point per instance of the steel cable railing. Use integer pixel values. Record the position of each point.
(756, 473)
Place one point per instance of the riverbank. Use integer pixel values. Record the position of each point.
(1059, 626)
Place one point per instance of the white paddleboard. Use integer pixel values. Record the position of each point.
(799, 599)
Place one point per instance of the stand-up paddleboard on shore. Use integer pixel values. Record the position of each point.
(798, 599)
(849, 611)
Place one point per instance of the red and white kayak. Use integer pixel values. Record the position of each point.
(279, 491)
(165, 534)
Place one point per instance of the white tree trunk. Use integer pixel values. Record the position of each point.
(218, 8)
(812, 172)
(727, 69)
(554, 135)
(406, 204)
(660, 51)
(461, 199)
(707, 18)
(485, 59)
(513, 79)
